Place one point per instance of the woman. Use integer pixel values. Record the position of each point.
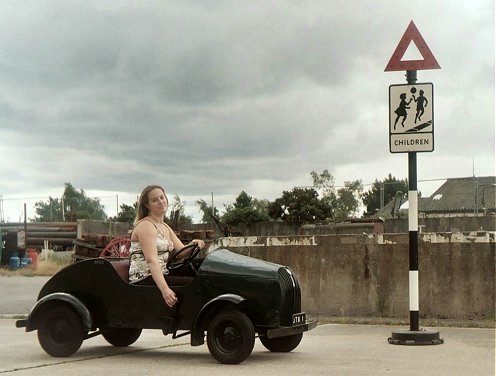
(153, 241)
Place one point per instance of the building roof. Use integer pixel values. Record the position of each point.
(456, 195)
(463, 195)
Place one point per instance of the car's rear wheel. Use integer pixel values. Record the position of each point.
(281, 344)
(121, 337)
(230, 337)
(60, 331)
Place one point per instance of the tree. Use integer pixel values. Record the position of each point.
(207, 211)
(50, 211)
(323, 182)
(246, 210)
(301, 205)
(72, 206)
(345, 201)
(372, 198)
(177, 212)
(127, 213)
(348, 199)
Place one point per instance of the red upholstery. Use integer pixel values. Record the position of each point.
(121, 266)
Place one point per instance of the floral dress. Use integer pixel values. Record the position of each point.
(138, 268)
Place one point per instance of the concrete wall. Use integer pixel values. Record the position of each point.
(367, 275)
(443, 224)
(356, 226)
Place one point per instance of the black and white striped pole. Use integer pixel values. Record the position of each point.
(414, 336)
(413, 281)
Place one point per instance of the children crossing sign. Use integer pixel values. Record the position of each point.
(411, 130)
(411, 118)
(412, 34)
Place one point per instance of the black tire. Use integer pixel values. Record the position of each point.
(230, 337)
(121, 337)
(281, 344)
(61, 331)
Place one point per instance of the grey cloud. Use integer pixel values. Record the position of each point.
(211, 96)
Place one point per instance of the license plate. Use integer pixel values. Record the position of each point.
(299, 318)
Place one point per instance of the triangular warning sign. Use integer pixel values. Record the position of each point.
(412, 34)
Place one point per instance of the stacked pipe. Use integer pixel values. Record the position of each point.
(60, 234)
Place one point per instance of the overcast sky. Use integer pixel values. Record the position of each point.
(218, 96)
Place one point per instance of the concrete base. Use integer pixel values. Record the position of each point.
(415, 338)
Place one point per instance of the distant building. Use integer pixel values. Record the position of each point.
(457, 197)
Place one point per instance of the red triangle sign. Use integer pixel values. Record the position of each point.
(412, 34)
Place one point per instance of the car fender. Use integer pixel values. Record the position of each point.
(197, 332)
(47, 300)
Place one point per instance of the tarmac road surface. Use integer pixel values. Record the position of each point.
(331, 349)
(18, 293)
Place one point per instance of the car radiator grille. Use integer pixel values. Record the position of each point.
(291, 295)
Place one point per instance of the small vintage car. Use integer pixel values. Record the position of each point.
(230, 297)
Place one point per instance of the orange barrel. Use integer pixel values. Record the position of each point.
(33, 255)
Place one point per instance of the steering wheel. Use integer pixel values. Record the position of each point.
(175, 262)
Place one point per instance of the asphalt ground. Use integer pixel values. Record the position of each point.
(329, 349)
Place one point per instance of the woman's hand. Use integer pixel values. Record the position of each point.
(169, 297)
(201, 243)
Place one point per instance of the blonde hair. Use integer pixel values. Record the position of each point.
(142, 211)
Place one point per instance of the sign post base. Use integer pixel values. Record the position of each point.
(415, 337)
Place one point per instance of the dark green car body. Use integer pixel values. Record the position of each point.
(266, 294)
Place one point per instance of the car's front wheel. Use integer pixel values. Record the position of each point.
(281, 344)
(121, 337)
(60, 331)
(230, 337)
